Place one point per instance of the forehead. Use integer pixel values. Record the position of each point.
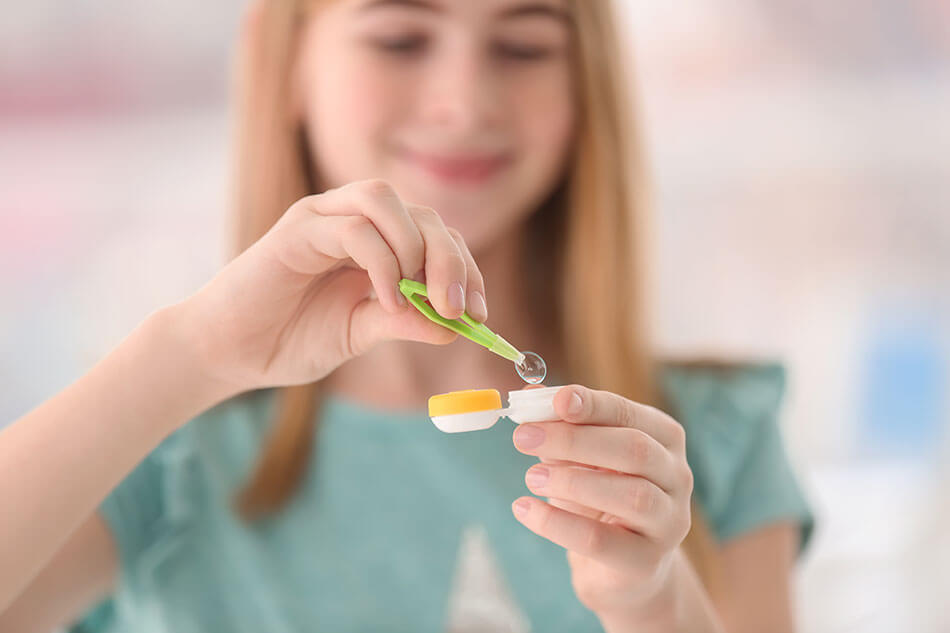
(483, 9)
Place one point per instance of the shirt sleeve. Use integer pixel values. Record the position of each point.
(765, 491)
(743, 477)
(150, 512)
(134, 511)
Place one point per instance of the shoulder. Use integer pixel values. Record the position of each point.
(226, 431)
(723, 407)
(698, 391)
(734, 445)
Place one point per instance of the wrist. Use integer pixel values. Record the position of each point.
(181, 362)
(656, 612)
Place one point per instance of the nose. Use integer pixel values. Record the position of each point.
(460, 93)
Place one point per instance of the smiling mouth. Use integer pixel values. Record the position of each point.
(461, 168)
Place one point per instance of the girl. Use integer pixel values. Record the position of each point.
(255, 457)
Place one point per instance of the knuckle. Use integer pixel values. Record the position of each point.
(413, 264)
(571, 484)
(625, 410)
(628, 413)
(474, 281)
(388, 259)
(378, 188)
(413, 252)
(449, 262)
(640, 497)
(685, 524)
(594, 540)
(679, 525)
(425, 214)
(678, 434)
(355, 225)
(545, 517)
(687, 478)
(568, 438)
(300, 210)
(639, 448)
(416, 242)
(308, 204)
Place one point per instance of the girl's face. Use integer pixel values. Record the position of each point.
(464, 106)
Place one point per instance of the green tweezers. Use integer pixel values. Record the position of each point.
(415, 292)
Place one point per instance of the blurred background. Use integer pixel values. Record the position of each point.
(801, 151)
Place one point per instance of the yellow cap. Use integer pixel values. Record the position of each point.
(466, 401)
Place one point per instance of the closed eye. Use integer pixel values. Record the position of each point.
(522, 52)
(402, 45)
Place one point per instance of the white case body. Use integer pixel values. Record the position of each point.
(524, 405)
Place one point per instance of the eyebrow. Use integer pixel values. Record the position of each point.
(535, 8)
(418, 4)
(520, 10)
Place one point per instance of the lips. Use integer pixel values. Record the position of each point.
(460, 169)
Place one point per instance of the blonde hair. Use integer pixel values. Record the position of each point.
(593, 228)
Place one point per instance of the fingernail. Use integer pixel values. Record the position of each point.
(401, 298)
(476, 306)
(521, 507)
(456, 297)
(528, 436)
(537, 476)
(575, 404)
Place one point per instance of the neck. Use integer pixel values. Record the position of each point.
(403, 374)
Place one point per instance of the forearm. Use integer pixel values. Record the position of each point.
(60, 460)
(681, 605)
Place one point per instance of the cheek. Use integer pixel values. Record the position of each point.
(348, 108)
(541, 116)
(546, 120)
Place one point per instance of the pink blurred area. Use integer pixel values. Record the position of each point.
(801, 153)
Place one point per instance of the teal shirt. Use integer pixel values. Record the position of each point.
(398, 526)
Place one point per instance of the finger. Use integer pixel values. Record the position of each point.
(356, 237)
(638, 502)
(628, 451)
(475, 284)
(444, 266)
(576, 508)
(571, 506)
(567, 462)
(370, 323)
(608, 543)
(378, 201)
(605, 408)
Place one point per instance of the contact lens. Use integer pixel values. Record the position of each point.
(532, 368)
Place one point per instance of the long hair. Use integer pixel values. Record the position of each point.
(593, 228)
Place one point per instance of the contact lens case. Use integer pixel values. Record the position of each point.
(478, 409)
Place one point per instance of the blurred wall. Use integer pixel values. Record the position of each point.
(802, 157)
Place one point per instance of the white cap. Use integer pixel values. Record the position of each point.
(531, 405)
